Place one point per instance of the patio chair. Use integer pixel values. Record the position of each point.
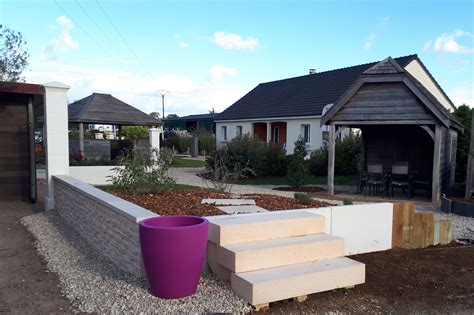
(375, 179)
(362, 182)
(401, 178)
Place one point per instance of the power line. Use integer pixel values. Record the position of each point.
(94, 22)
(79, 25)
(118, 32)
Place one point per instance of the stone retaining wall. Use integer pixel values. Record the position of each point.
(108, 223)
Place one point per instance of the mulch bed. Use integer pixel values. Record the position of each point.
(188, 202)
(309, 189)
(430, 280)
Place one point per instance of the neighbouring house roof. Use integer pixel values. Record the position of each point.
(22, 88)
(300, 96)
(99, 108)
(193, 117)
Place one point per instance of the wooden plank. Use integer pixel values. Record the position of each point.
(428, 226)
(418, 232)
(437, 228)
(397, 225)
(354, 108)
(331, 158)
(377, 116)
(445, 234)
(408, 218)
(353, 123)
(435, 189)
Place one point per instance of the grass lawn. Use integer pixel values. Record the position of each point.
(184, 162)
(314, 180)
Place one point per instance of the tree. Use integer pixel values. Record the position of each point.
(155, 115)
(464, 114)
(13, 55)
(172, 116)
(135, 132)
(298, 170)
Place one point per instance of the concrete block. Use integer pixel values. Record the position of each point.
(223, 202)
(275, 284)
(241, 209)
(264, 226)
(243, 257)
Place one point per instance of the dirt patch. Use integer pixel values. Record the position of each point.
(26, 286)
(188, 202)
(309, 189)
(436, 279)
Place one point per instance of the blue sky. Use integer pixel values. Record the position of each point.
(210, 53)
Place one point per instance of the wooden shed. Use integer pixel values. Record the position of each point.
(400, 120)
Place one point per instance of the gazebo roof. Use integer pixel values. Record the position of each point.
(99, 108)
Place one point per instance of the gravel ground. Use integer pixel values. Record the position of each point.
(93, 284)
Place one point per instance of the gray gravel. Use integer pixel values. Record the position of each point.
(463, 227)
(93, 284)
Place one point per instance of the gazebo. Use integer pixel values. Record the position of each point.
(400, 120)
(104, 109)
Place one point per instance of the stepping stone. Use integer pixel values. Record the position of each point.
(241, 209)
(230, 202)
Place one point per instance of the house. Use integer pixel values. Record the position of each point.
(200, 122)
(281, 111)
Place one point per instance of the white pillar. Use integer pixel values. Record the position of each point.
(155, 139)
(56, 139)
(331, 158)
(269, 132)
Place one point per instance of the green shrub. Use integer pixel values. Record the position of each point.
(247, 151)
(104, 161)
(303, 198)
(298, 170)
(347, 202)
(135, 133)
(171, 142)
(347, 157)
(142, 173)
(206, 142)
(184, 144)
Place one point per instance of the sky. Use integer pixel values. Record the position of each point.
(208, 54)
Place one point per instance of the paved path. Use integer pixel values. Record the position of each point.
(188, 176)
(25, 285)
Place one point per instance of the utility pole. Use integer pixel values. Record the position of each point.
(163, 93)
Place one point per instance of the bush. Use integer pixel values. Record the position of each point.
(92, 162)
(303, 198)
(247, 151)
(298, 170)
(135, 133)
(347, 157)
(184, 144)
(141, 172)
(206, 142)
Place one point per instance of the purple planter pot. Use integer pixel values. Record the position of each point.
(173, 251)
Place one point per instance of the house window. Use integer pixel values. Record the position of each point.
(238, 131)
(224, 133)
(305, 133)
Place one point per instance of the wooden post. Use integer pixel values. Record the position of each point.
(331, 158)
(470, 162)
(435, 189)
(81, 140)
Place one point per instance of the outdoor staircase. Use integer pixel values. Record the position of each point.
(275, 256)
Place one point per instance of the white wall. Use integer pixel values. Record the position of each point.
(416, 70)
(231, 131)
(94, 175)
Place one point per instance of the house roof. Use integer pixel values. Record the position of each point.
(99, 108)
(193, 117)
(300, 96)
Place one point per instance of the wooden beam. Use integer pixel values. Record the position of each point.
(429, 131)
(331, 158)
(470, 162)
(435, 189)
(81, 139)
(384, 122)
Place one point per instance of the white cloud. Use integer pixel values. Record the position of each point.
(235, 41)
(188, 95)
(220, 70)
(65, 22)
(62, 43)
(369, 42)
(450, 43)
(462, 94)
(183, 45)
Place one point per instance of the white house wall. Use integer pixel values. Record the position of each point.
(416, 70)
(293, 131)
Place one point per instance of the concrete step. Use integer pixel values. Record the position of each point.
(249, 256)
(280, 283)
(264, 226)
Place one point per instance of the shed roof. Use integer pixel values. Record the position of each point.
(99, 108)
(300, 96)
